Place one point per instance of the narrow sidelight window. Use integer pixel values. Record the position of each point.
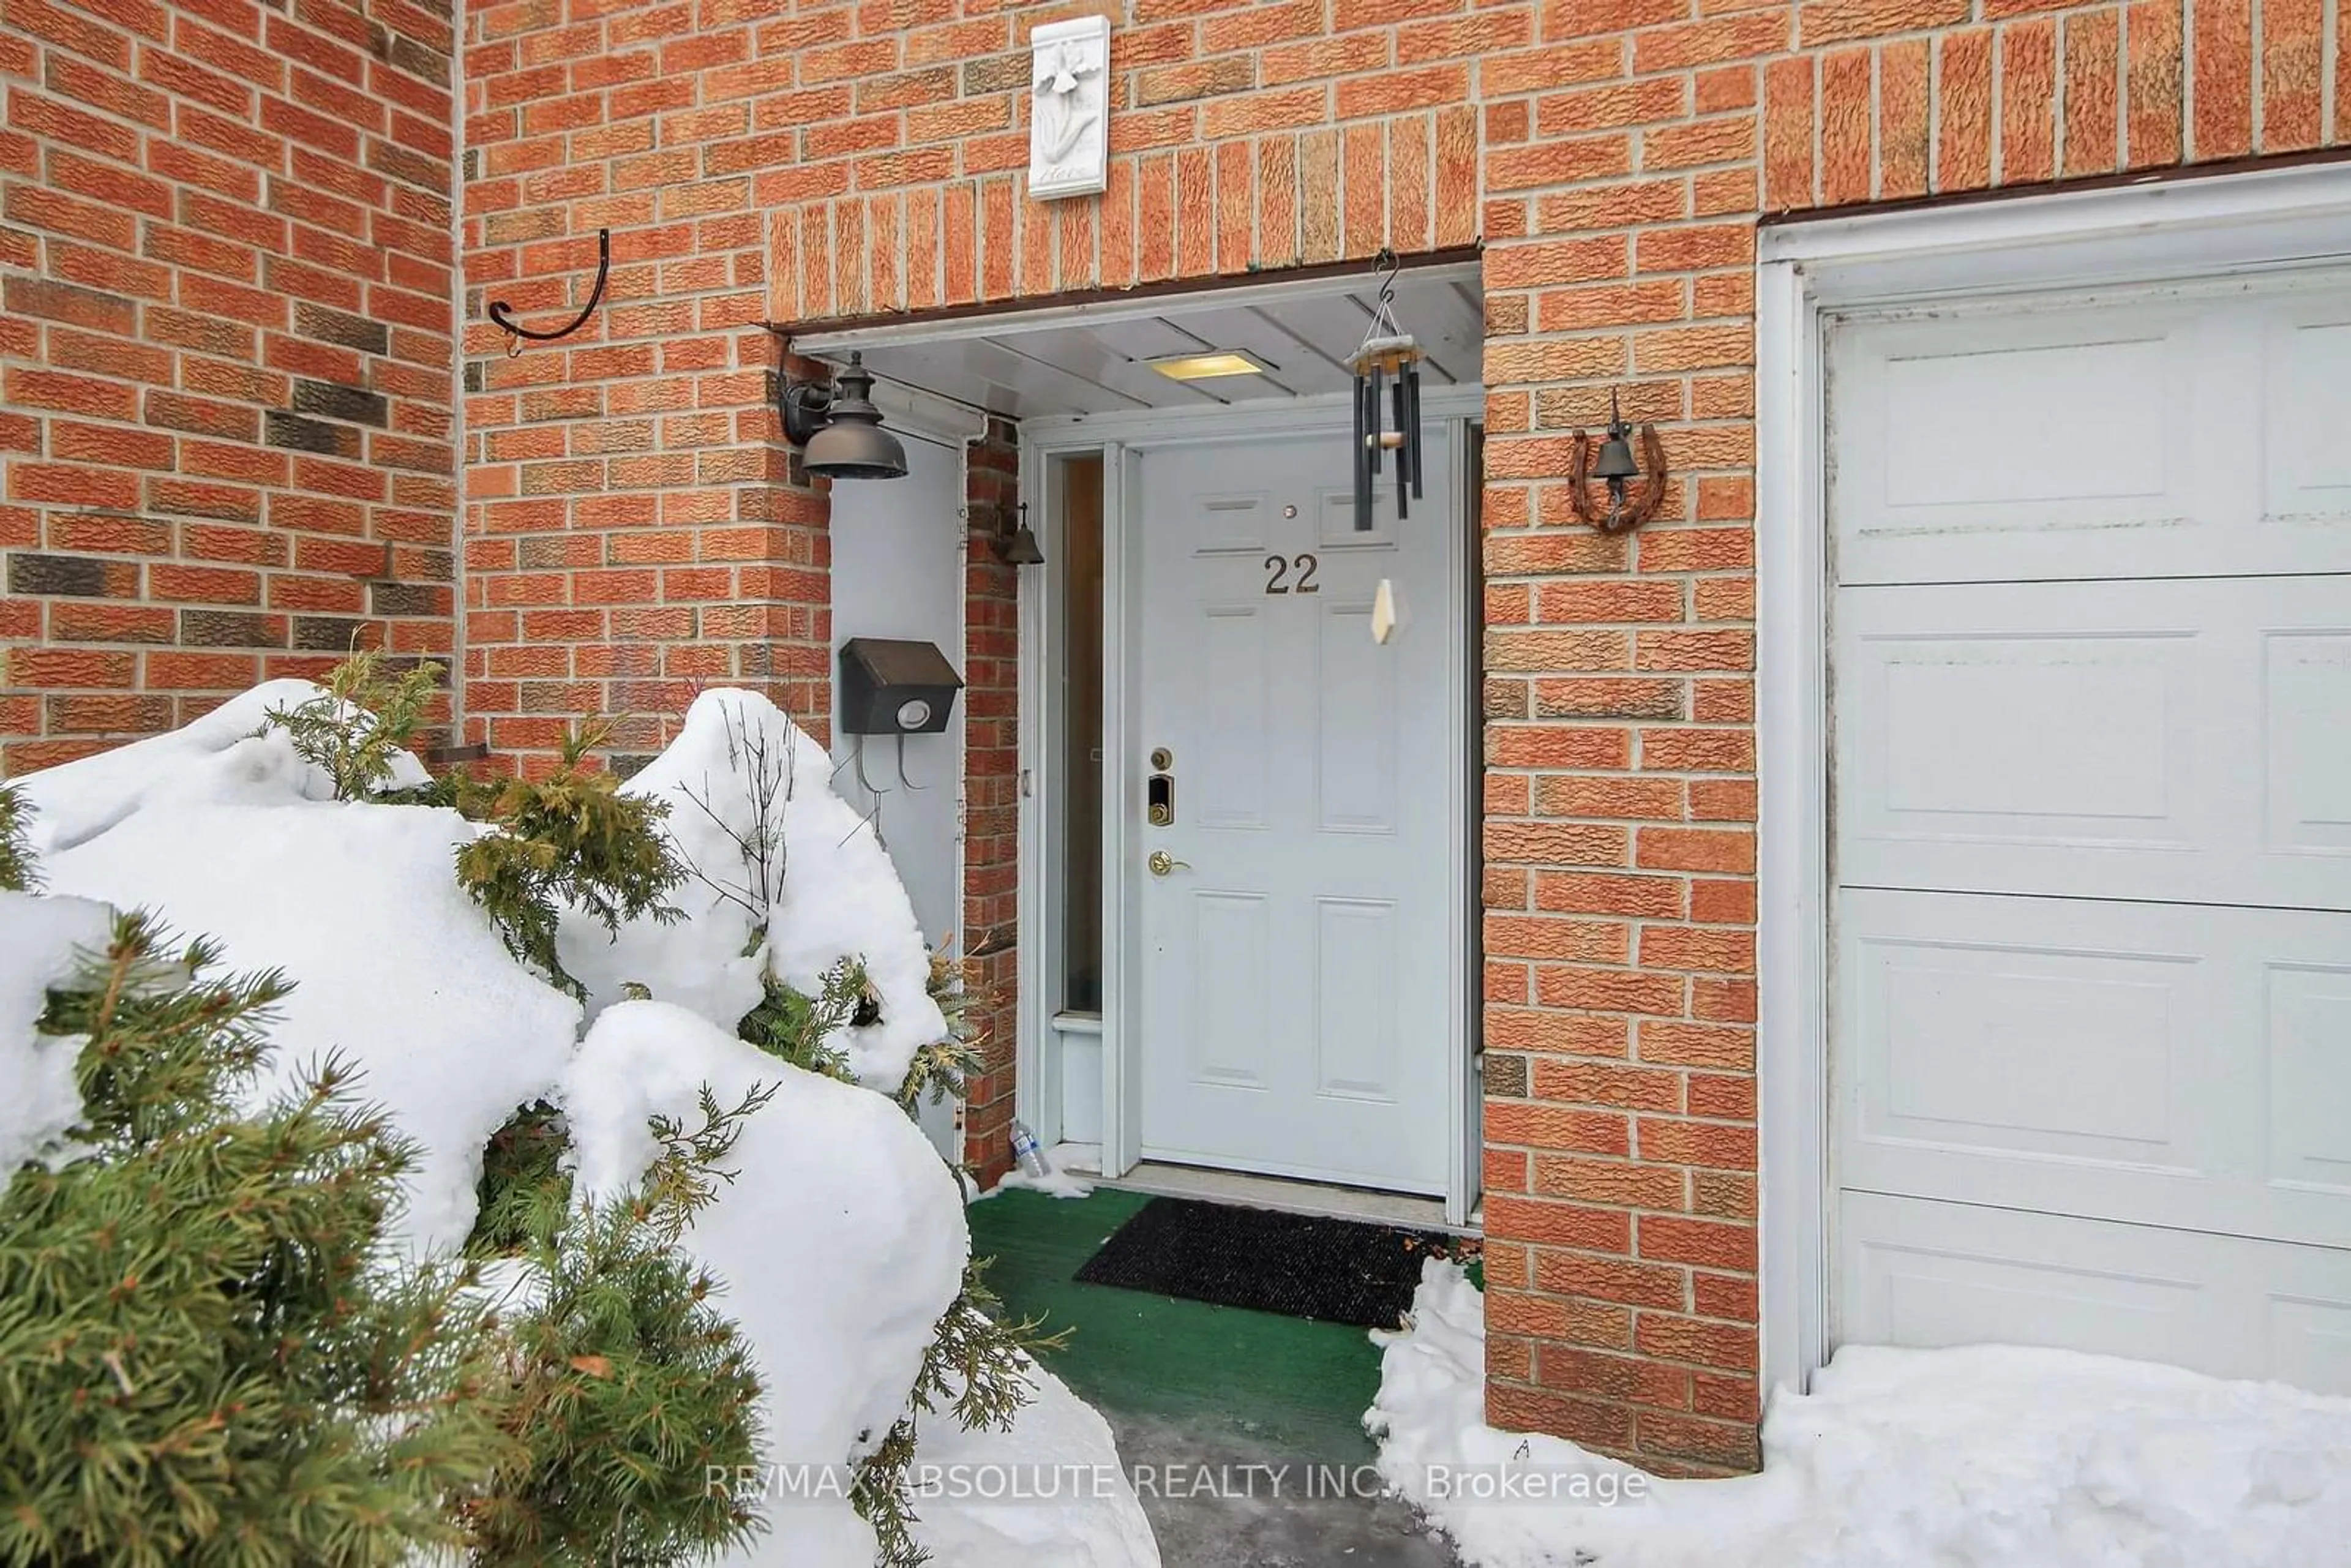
(1079, 484)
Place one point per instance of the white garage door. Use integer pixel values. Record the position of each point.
(2091, 1003)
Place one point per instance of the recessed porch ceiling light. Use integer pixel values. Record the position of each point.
(1207, 367)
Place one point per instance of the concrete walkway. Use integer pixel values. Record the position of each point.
(1279, 1526)
(1226, 1418)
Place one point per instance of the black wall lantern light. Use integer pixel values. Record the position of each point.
(1616, 469)
(1387, 370)
(838, 429)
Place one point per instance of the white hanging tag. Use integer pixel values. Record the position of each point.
(1384, 612)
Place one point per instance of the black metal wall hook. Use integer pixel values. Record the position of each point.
(502, 313)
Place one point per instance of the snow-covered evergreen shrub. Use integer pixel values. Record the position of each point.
(205, 1356)
(524, 1192)
(356, 730)
(801, 1029)
(788, 882)
(977, 1365)
(742, 818)
(940, 1068)
(628, 1387)
(570, 840)
(976, 1362)
(228, 824)
(17, 874)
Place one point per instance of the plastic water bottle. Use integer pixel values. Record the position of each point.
(1025, 1152)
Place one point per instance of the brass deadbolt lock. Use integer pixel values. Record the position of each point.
(1159, 790)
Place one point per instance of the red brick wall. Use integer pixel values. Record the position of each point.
(226, 356)
(1621, 196)
(991, 783)
(1615, 156)
(634, 527)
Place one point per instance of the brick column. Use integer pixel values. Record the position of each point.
(1620, 1206)
(992, 772)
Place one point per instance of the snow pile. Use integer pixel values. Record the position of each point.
(841, 1240)
(395, 969)
(226, 756)
(1987, 1456)
(41, 942)
(828, 889)
(837, 1306)
(1049, 1491)
(1054, 1183)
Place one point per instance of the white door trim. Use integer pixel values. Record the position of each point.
(1119, 437)
(2262, 220)
(2191, 225)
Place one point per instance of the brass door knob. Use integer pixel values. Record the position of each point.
(1161, 862)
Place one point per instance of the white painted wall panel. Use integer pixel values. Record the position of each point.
(1222, 777)
(2305, 706)
(897, 571)
(1232, 994)
(1356, 1044)
(1355, 741)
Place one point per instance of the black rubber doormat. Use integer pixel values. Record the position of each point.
(1303, 1266)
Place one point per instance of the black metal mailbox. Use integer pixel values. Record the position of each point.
(891, 685)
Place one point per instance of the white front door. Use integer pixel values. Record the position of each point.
(2091, 1009)
(1293, 985)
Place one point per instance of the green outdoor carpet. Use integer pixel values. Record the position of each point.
(1273, 1384)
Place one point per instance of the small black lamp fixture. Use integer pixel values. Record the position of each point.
(1388, 359)
(1017, 548)
(1615, 468)
(838, 429)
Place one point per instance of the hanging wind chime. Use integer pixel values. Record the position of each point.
(1387, 372)
(1388, 383)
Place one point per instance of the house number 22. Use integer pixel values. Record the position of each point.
(1280, 568)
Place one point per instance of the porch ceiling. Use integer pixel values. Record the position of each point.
(1094, 358)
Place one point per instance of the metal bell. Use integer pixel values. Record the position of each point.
(1616, 461)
